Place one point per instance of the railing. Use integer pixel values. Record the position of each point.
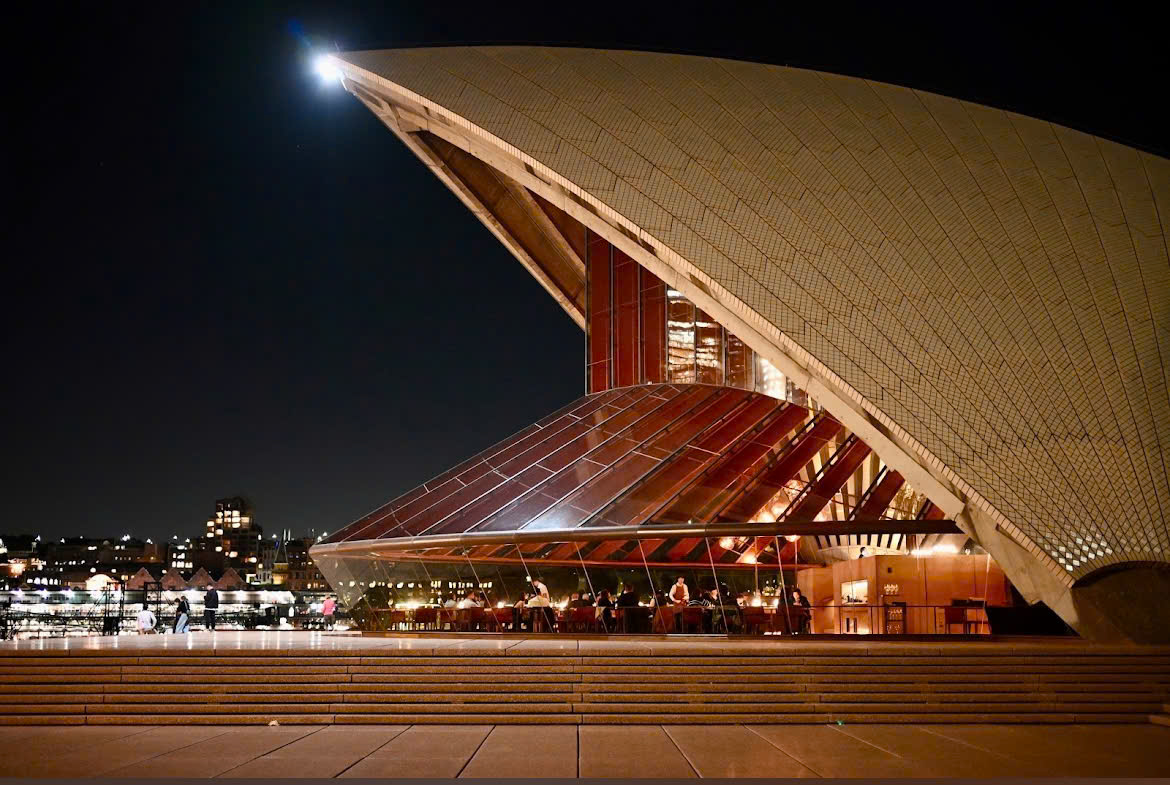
(845, 619)
(861, 618)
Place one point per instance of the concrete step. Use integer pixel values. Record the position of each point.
(263, 693)
(897, 698)
(778, 698)
(862, 679)
(63, 670)
(73, 666)
(218, 699)
(460, 685)
(41, 719)
(48, 678)
(872, 699)
(330, 708)
(206, 719)
(564, 703)
(878, 700)
(865, 708)
(64, 698)
(846, 719)
(459, 697)
(807, 684)
(216, 670)
(236, 678)
(1001, 686)
(199, 688)
(414, 714)
(440, 676)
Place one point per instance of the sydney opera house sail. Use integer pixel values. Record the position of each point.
(814, 306)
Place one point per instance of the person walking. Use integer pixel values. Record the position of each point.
(210, 605)
(182, 616)
(327, 609)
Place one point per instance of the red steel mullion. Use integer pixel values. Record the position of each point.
(936, 513)
(565, 551)
(878, 498)
(606, 548)
(678, 421)
(669, 461)
(638, 554)
(782, 470)
(789, 416)
(830, 481)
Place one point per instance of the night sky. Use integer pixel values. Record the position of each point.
(225, 278)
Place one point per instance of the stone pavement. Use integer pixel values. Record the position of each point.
(306, 643)
(588, 751)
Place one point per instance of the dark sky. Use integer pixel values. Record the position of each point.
(226, 279)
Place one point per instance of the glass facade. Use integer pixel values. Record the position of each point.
(685, 443)
(641, 331)
(624, 457)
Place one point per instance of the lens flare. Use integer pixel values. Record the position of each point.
(326, 69)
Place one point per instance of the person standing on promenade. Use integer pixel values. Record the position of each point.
(210, 605)
(182, 616)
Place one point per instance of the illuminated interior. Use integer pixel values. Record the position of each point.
(689, 456)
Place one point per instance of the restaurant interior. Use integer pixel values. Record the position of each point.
(945, 587)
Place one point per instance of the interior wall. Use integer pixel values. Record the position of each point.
(935, 580)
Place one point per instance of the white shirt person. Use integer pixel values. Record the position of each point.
(146, 621)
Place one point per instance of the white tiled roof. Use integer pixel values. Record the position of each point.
(995, 285)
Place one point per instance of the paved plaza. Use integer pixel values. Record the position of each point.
(306, 643)
(926, 749)
(588, 751)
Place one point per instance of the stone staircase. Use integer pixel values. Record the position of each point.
(781, 683)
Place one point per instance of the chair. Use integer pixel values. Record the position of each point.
(663, 621)
(580, 619)
(957, 615)
(542, 619)
(755, 620)
(632, 619)
(447, 616)
(502, 618)
(469, 619)
(424, 618)
(692, 618)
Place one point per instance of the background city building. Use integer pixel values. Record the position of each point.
(74, 585)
